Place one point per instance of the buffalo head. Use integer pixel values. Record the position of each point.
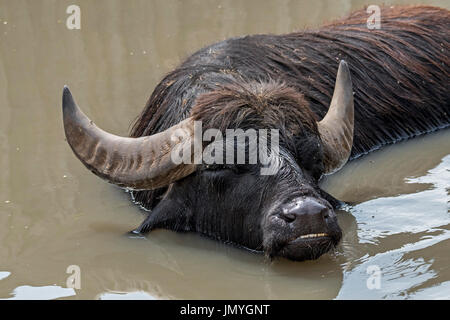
(283, 214)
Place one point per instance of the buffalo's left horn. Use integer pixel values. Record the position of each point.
(135, 163)
(336, 128)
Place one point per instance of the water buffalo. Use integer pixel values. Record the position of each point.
(393, 86)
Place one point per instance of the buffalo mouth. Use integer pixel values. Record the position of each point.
(309, 246)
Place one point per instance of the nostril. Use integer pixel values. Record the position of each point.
(305, 210)
(288, 216)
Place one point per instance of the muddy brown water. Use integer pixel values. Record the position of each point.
(54, 213)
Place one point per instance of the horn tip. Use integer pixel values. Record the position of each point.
(343, 74)
(67, 99)
(66, 89)
(343, 63)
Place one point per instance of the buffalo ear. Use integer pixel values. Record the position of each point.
(336, 128)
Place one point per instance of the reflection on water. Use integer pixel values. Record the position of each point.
(418, 212)
(44, 293)
(54, 213)
(4, 274)
(404, 234)
(126, 296)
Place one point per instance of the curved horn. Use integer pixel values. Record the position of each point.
(336, 128)
(135, 163)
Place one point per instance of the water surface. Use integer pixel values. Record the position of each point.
(54, 213)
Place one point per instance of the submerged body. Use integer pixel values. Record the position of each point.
(400, 82)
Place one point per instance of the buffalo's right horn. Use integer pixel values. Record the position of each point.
(336, 128)
(135, 163)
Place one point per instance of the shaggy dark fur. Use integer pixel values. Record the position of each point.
(400, 75)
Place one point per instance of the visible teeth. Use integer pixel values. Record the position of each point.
(313, 235)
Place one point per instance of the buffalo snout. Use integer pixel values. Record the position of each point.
(304, 228)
